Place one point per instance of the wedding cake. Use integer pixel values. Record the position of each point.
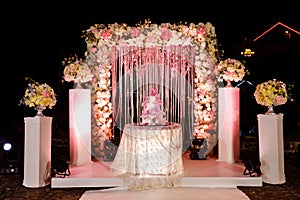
(152, 113)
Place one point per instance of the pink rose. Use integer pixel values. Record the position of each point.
(280, 100)
(106, 34)
(166, 34)
(45, 93)
(134, 32)
(201, 31)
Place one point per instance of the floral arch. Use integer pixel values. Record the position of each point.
(178, 59)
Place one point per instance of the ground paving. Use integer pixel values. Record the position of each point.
(11, 184)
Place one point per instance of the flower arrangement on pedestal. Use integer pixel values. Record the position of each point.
(39, 96)
(271, 93)
(231, 70)
(76, 71)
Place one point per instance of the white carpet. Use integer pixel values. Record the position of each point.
(177, 193)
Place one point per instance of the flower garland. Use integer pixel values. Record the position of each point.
(38, 95)
(231, 70)
(271, 93)
(146, 34)
(76, 70)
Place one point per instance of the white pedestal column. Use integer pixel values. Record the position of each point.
(37, 151)
(271, 148)
(229, 125)
(80, 126)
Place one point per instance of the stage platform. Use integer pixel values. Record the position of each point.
(209, 173)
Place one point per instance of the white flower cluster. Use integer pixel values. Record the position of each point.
(77, 71)
(231, 70)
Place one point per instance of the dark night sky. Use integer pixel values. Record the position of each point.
(35, 41)
(38, 40)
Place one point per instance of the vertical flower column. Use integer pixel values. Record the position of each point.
(229, 124)
(80, 126)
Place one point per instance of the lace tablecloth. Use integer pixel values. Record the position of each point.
(150, 156)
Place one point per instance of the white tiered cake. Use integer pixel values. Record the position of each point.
(152, 113)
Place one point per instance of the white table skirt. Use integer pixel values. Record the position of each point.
(149, 156)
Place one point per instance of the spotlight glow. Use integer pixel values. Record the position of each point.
(7, 146)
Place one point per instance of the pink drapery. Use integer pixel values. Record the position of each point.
(168, 68)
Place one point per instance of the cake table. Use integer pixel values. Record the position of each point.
(149, 156)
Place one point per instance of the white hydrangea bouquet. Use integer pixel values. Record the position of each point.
(76, 70)
(271, 93)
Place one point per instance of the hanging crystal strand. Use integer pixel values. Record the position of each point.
(190, 80)
(152, 70)
(127, 94)
(162, 74)
(133, 88)
(171, 87)
(177, 97)
(180, 85)
(113, 91)
(181, 89)
(176, 87)
(121, 88)
(128, 85)
(131, 95)
(169, 83)
(123, 91)
(153, 66)
(167, 88)
(146, 80)
(191, 107)
(172, 97)
(125, 76)
(151, 73)
(137, 85)
(142, 83)
(190, 103)
(116, 100)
